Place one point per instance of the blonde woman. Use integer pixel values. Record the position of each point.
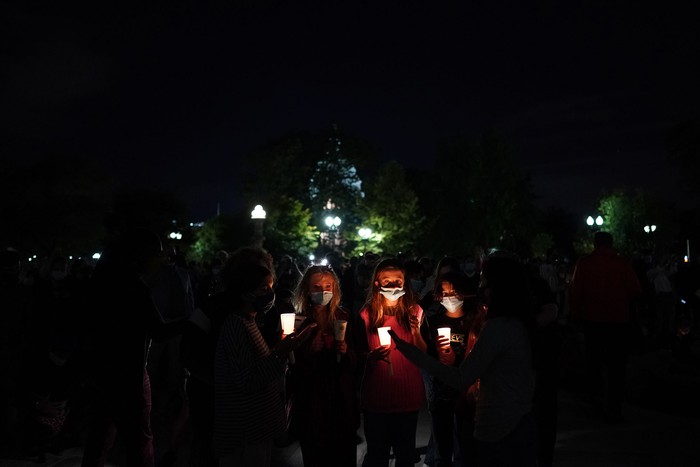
(325, 413)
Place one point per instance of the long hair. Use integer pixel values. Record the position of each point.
(302, 298)
(375, 306)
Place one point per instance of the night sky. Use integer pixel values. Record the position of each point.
(174, 95)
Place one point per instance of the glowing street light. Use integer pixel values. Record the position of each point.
(332, 221)
(650, 228)
(597, 221)
(365, 233)
(175, 236)
(258, 216)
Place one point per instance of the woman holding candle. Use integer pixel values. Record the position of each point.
(502, 360)
(392, 390)
(325, 413)
(249, 375)
(452, 414)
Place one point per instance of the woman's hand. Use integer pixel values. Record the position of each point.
(341, 347)
(444, 350)
(380, 353)
(292, 341)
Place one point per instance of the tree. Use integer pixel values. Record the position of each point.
(226, 232)
(480, 197)
(289, 230)
(391, 210)
(626, 212)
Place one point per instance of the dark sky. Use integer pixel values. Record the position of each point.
(174, 95)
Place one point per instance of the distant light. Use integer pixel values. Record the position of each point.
(70, 258)
(653, 228)
(599, 220)
(258, 212)
(29, 259)
(175, 235)
(329, 221)
(685, 258)
(96, 256)
(590, 220)
(324, 262)
(336, 221)
(683, 301)
(312, 257)
(365, 233)
(34, 256)
(647, 229)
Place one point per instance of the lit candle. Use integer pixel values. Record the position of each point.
(339, 327)
(385, 339)
(288, 328)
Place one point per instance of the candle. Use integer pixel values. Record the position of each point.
(446, 332)
(287, 323)
(339, 327)
(385, 339)
(288, 328)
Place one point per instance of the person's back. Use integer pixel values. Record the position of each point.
(603, 286)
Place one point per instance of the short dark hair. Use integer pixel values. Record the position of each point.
(603, 239)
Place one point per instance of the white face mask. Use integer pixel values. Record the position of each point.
(452, 303)
(392, 293)
(321, 298)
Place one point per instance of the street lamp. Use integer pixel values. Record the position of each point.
(365, 234)
(598, 221)
(258, 216)
(332, 223)
(650, 228)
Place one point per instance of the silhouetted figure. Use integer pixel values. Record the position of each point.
(124, 320)
(602, 289)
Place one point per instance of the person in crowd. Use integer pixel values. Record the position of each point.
(663, 307)
(392, 389)
(249, 376)
(325, 411)
(121, 327)
(429, 301)
(501, 360)
(15, 309)
(199, 349)
(547, 347)
(602, 291)
(173, 296)
(287, 275)
(451, 411)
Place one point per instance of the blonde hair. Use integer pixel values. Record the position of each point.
(302, 298)
(375, 305)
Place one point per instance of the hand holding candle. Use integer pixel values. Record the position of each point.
(385, 340)
(445, 354)
(339, 327)
(287, 320)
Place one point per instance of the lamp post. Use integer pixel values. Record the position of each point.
(258, 216)
(597, 222)
(333, 223)
(365, 234)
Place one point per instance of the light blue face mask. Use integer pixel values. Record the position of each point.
(392, 293)
(321, 298)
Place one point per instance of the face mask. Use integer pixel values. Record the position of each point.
(452, 303)
(469, 269)
(263, 303)
(58, 275)
(416, 285)
(392, 293)
(321, 298)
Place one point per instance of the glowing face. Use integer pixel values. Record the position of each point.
(390, 278)
(321, 282)
(448, 290)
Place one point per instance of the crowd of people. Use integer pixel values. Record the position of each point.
(161, 354)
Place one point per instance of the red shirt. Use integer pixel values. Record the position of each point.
(382, 392)
(602, 287)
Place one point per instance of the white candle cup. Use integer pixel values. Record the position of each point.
(445, 332)
(385, 339)
(288, 328)
(339, 327)
(287, 323)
